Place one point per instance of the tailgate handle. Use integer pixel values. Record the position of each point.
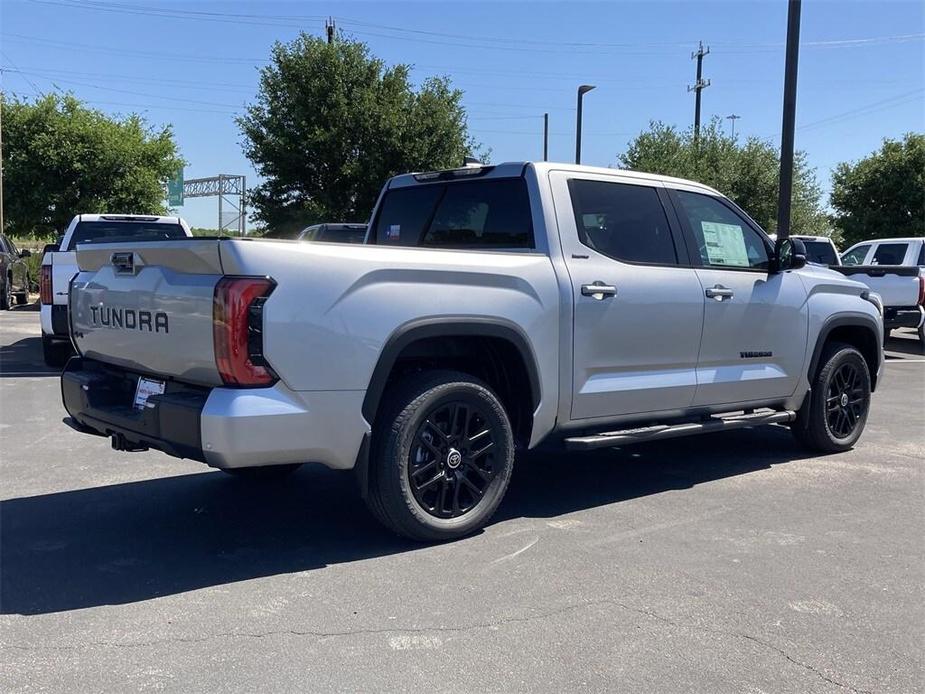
(124, 262)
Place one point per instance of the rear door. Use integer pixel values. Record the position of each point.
(755, 323)
(638, 304)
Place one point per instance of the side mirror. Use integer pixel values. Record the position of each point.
(25, 253)
(789, 254)
(50, 248)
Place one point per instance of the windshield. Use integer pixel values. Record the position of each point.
(821, 252)
(104, 231)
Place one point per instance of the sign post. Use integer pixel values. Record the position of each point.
(175, 190)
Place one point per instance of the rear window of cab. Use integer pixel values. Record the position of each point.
(486, 214)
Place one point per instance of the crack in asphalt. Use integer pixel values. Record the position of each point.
(443, 629)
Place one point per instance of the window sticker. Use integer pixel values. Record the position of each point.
(725, 244)
(394, 231)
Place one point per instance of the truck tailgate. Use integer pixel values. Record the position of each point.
(147, 306)
(897, 285)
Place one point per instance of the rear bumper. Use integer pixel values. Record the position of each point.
(903, 317)
(222, 427)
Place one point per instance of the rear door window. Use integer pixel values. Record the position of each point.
(622, 221)
(856, 255)
(890, 254)
(105, 231)
(477, 214)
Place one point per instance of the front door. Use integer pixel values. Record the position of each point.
(638, 310)
(755, 323)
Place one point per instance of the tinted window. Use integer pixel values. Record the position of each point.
(856, 255)
(3, 247)
(104, 231)
(921, 261)
(404, 213)
(482, 214)
(820, 252)
(723, 238)
(890, 254)
(622, 221)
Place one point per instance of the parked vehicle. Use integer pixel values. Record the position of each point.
(14, 274)
(334, 233)
(59, 265)
(894, 269)
(492, 308)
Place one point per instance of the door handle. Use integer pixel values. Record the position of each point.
(719, 292)
(598, 290)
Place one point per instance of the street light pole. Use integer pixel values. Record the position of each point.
(789, 118)
(733, 118)
(545, 137)
(582, 90)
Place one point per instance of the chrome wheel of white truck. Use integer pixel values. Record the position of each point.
(444, 461)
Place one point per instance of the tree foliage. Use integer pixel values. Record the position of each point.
(882, 195)
(61, 158)
(331, 123)
(746, 172)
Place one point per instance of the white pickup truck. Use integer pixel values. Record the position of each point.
(491, 308)
(895, 270)
(60, 265)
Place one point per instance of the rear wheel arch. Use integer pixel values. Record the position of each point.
(494, 350)
(859, 332)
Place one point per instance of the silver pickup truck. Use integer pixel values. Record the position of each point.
(492, 308)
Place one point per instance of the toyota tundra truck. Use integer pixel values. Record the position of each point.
(491, 309)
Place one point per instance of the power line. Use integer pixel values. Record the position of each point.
(124, 51)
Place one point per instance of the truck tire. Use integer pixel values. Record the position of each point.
(6, 295)
(262, 473)
(834, 413)
(55, 352)
(442, 457)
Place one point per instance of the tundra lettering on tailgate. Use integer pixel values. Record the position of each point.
(129, 319)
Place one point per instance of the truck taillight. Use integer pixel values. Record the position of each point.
(237, 329)
(921, 290)
(45, 295)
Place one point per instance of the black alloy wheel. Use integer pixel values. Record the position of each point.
(846, 400)
(451, 459)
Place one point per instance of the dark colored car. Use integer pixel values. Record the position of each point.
(334, 233)
(14, 274)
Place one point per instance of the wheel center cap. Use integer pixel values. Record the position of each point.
(453, 459)
(844, 399)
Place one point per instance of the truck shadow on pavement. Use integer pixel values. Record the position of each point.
(24, 358)
(130, 542)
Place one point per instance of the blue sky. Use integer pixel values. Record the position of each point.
(195, 64)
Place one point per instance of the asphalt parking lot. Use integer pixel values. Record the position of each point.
(724, 563)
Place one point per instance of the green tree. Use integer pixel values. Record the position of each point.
(747, 172)
(882, 195)
(61, 158)
(331, 123)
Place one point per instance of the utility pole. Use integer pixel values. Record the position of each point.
(698, 87)
(329, 29)
(582, 90)
(789, 119)
(733, 118)
(545, 137)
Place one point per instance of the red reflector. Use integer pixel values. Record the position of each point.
(231, 325)
(45, 295)
(921, 291)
